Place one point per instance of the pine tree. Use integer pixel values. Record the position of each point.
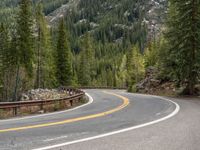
(4, 57)
(10, 72)
(151, 54)
(3, 47)
(63, 59)
(84, 70)
(45, 66)
(90, 54)
(183, 36)
(24, 48)
(135, 67)
(25, 36)
(87, 70)
(123, 72)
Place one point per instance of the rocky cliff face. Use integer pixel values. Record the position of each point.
(54, 16)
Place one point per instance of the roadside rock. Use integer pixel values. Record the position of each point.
(154, 82)
(152, 85)
(24, 97)
(149, 81)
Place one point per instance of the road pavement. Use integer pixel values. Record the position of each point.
(116, 120)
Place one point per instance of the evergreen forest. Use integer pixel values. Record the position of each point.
(98, 43)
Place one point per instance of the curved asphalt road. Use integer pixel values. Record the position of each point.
(109, 112)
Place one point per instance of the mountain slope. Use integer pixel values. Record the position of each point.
(8, 8)
(118, 21)
(108, 28)
(108, 20)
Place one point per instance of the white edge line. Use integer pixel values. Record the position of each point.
(119, 131)
(53, 113)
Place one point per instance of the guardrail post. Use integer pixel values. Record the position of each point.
(71, 102)
(15, 111)
(60, 104)
(41, 106)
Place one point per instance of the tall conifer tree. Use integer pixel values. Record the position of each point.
(45, 65)
(135, 67)
(4, 46)
(87, 64)
(24, 47)
(4, 57)
(63, 61)
(25, 36)
(183, 36)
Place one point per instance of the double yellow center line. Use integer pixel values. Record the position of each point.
(125, 103)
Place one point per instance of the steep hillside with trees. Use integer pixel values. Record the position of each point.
(47, 44)
(8, 8)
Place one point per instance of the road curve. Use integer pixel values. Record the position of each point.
(111, 111)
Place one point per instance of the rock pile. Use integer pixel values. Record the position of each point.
(43, 94)
(152, 85)
(150, 81)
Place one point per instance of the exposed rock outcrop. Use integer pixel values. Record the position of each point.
(152, 85)
(150, 80)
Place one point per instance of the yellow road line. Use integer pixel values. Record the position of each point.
(125, 103)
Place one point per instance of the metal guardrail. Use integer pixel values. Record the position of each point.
(102, 87)
(74, 95)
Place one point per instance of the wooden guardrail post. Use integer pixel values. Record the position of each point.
(71, 102)
(41, 106)
(15, 111)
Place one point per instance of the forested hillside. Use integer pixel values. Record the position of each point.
(114, 26)
(52, 43)
(115, 21)
(8, 8)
